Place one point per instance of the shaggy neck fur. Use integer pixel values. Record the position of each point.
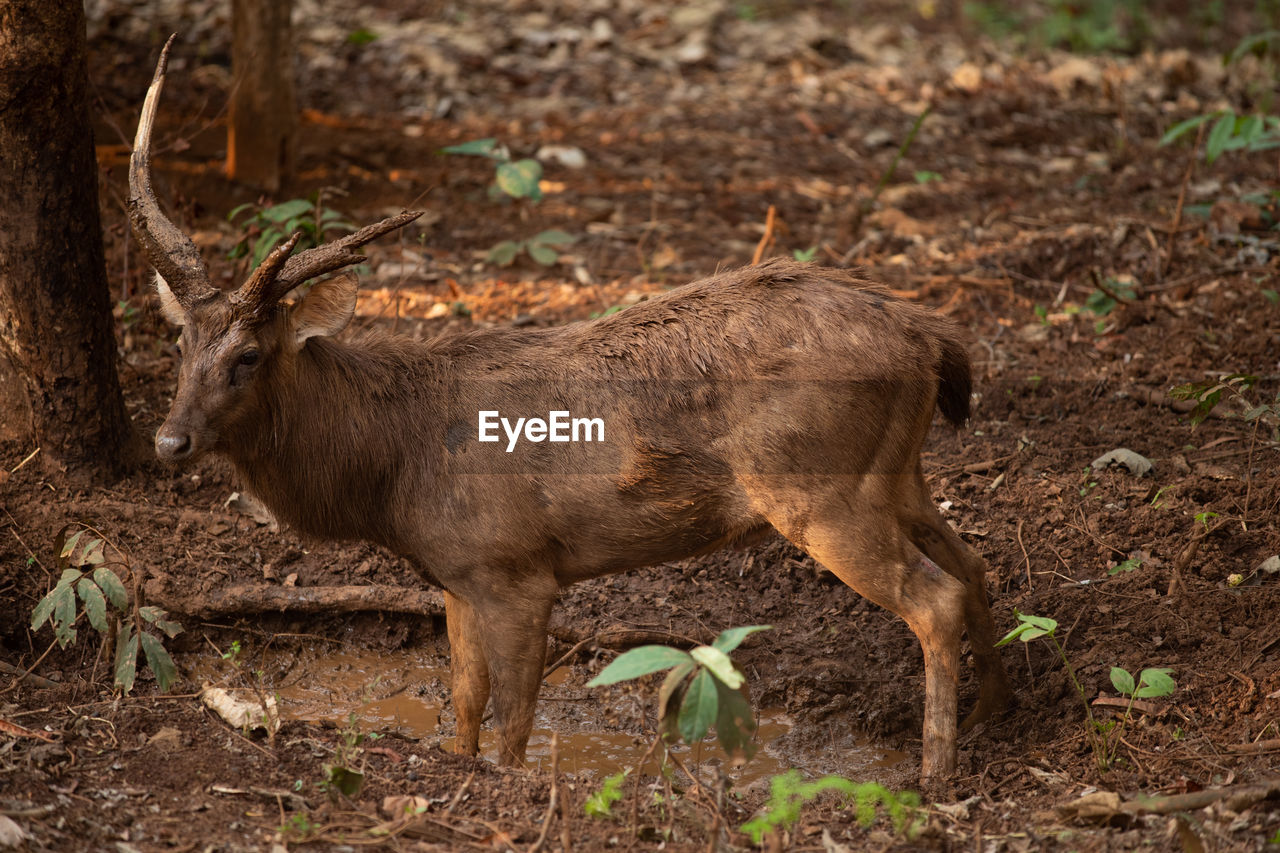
(340, 437)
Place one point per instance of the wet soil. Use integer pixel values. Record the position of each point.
(1034, 206)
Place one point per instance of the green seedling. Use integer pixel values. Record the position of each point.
(600, 803)
(1203, 519)
(804, 256)
(788, 794)
(544, 247)
(1128, 565)
(267, 227)
(1104, 737)
(90, 565)
(702, 689)
(512, 178)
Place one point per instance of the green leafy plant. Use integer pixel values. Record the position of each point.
(788, 794)
(298, 828)
(544, 247)
(600, 803)
(341, 775)
(1235, 385)
(703, 688)
(804, 256)
(1104, 737)
(516, 179)
(1094, 26)
(512, 178)
(1203, 519)
(89, 563)
(1083, 26)
(267, 227)
(1129, 565)
(924, 176)
(1103, 300)
(1230, 132)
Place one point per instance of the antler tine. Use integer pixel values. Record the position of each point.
(170, 251)
(259, 291)
(338, 254)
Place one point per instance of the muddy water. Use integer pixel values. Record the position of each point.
(406, 691)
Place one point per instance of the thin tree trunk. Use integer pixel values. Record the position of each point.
(263, 118)
(55, 319)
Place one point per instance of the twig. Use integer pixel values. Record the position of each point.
(32, 554)
(865, 207)
(462, 789)
(1025, 556)
(30, 456)
(1105, 288)
(555, 794)
(1182, 196)
(766, 236)
(635, 800)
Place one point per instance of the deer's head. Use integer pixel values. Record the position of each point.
(233, 344)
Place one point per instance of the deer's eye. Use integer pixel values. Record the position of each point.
(249, 358)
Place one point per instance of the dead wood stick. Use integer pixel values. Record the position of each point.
(24, 675)
(1272, 745)
(22, 731)
(259, 598)
(766, 236)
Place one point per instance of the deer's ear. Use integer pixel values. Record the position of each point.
(169, 307)
(325, 310)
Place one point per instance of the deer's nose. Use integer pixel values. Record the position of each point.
(172, 447)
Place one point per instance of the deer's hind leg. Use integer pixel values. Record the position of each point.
(855, 530)
(930, 533)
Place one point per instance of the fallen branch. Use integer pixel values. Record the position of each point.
(1107, 805)
(22, 731)
(259, 598)
(26, 675)
(1253, 748)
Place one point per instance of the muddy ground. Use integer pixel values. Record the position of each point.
(1094, 268)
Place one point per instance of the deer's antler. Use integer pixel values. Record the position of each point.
(168, 249)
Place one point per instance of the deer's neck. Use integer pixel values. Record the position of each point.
(346, 439)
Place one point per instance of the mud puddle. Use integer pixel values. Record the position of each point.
(406, 691)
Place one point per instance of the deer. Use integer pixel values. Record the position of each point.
(779, 397)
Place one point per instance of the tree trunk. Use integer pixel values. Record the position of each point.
(55, 319)
(264, 110)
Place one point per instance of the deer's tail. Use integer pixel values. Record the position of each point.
(955, 381)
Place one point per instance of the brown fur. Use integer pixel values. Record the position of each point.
(782, 396)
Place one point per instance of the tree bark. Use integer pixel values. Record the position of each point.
(263, 116)
(55, 319)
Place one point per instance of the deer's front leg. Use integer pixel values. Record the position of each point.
(469, 670)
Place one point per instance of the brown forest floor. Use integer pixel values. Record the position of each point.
(694, 119)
